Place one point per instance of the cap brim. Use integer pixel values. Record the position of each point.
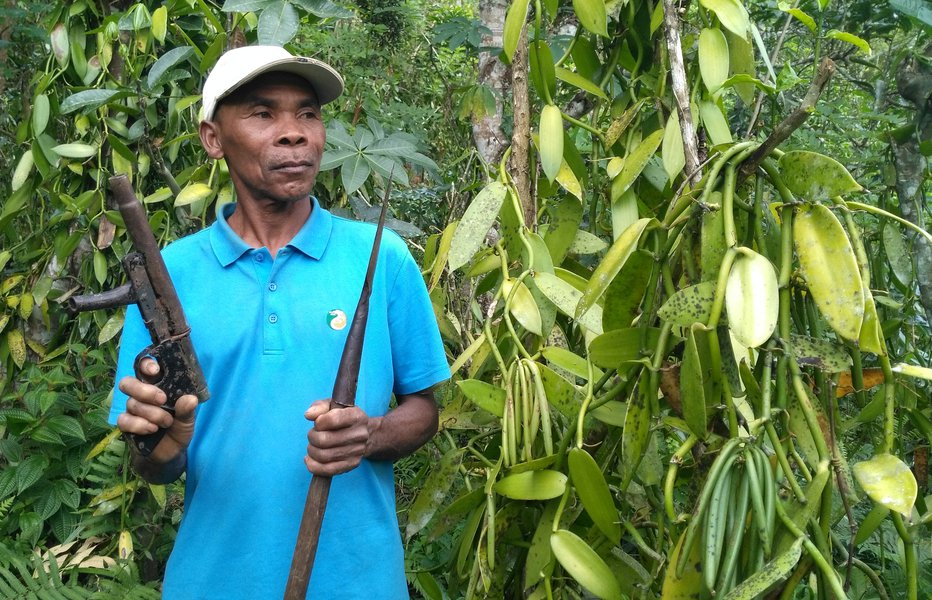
(327, 83)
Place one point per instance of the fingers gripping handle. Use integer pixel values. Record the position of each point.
(173, 378)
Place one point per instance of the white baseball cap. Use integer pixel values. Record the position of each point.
(241, 65)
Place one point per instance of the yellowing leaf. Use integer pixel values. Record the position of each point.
(828, 264)
(889, 482)
(636, 161)
(752, 299)
(852, 39)
(551, 141)
(160, 23)
(567, 179)
(713, 58)
(475, 224)
(584, 565)
(532, 485)
(514, 21)
(731, 13)
(522, 306)
(14, 339)
(22, 171)
(814, 176)
(194, 192)
(592, 15)
(611, 264)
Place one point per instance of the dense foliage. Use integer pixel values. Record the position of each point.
(689, 328)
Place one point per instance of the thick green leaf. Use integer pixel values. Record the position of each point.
(583, 83)
(587, 243)
(568, 361)
(60, 45)
(611, 264)
(592, 15)
(741, 62)
(776, 570)
(692, 304)
(514, 22)
(799, 14)
(484, 395)
(713, 58)
(715, 123)
(693, 381)
(897, 252)
(324, 9)
(522, 305)
(828, 264)
(559, 233)
(551, 140)
(584, 565)
(432, 491)
(819, 353)
(88, 99)
(567, 298)
(917, 9)
(278, 23)
(671, 149)
(22, 171)
(814, 176)
(75, 150)
(246, 5)
(623, 297)
(532, 485)
(613, 348)
(561, 394)
(691, 585)
(752, 299)
(542, 69)
(161, 71)
(732, 15)
(594, 494)
(636, 161)
(40, 114)
(475, 224)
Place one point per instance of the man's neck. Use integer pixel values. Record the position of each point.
(269, 224)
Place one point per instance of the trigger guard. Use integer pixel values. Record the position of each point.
(151, 353)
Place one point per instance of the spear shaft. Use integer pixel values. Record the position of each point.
(344, 396)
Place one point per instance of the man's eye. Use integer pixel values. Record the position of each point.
(309, 115)
(263, 114)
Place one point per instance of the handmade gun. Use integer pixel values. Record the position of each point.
(151, 288)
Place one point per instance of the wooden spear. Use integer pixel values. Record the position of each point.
(344, 396)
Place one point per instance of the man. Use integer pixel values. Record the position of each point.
(268, 289)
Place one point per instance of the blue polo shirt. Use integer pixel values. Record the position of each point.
(269, 338)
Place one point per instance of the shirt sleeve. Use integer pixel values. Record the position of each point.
(417, 351)
(134, 339)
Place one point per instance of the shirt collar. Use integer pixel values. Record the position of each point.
(310, 240)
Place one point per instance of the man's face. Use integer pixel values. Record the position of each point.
(271, 134)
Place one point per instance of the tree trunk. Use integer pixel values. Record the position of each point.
(487, 132)
(914, 82)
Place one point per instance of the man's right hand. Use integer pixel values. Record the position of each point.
(144, 415)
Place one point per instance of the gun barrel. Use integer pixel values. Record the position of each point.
(137, 225)
(120, 296)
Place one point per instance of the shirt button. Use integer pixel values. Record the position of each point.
(273, 287)
(273, 318)
(258, 258)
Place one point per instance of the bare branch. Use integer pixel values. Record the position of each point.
(794, 120)
(681, 89)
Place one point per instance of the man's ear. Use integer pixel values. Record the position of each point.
(210, 139)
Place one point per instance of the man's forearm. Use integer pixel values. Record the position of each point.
(404, 429)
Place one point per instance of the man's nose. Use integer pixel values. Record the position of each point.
(291, 133)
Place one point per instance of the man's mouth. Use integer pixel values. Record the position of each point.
(295, 166)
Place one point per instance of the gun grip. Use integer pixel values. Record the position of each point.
(172, 379)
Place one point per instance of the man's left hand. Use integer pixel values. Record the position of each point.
(338, 440)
